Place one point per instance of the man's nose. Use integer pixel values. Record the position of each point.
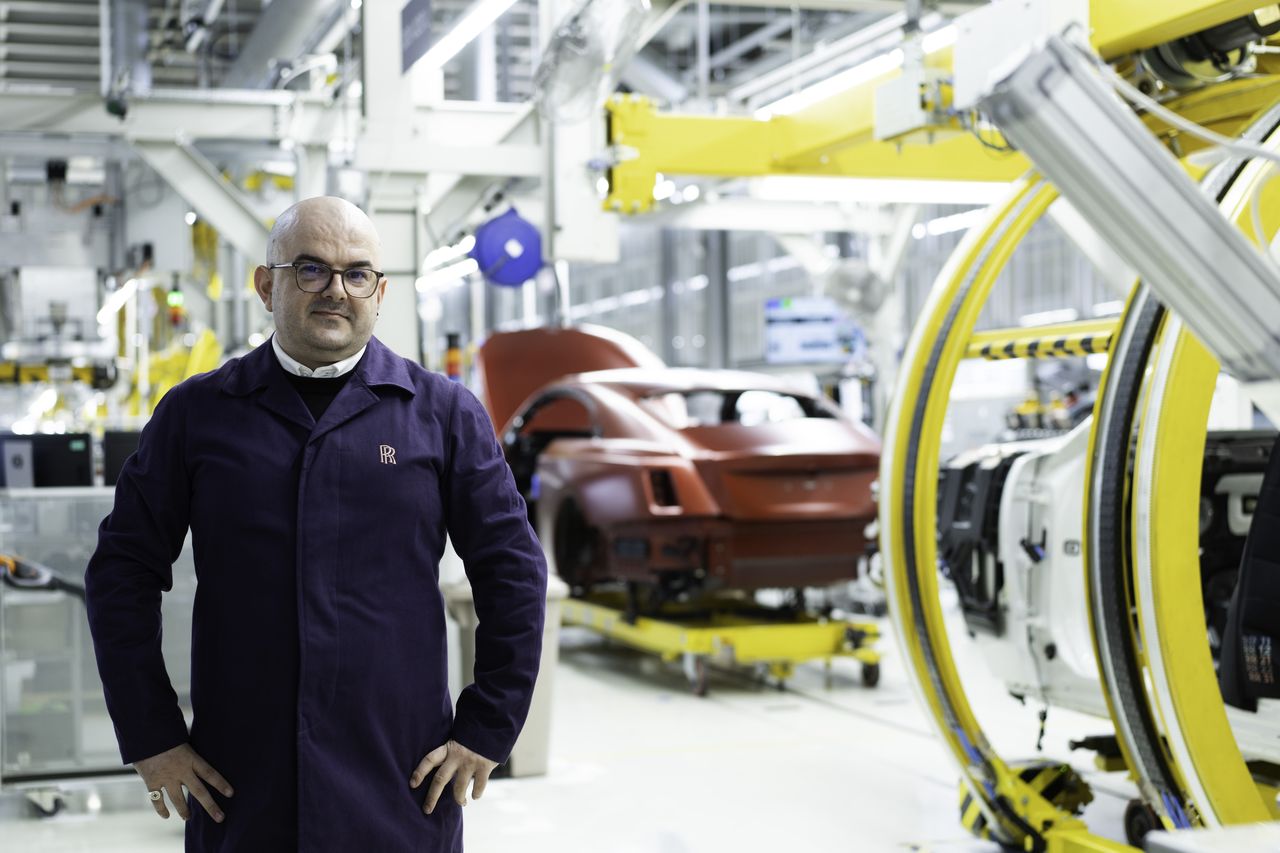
(336, 285)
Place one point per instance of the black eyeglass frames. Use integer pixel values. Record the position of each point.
(314, 277)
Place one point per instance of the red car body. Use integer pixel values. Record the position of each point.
(681, 479)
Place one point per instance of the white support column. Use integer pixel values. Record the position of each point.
(887, 329)
(387, 93)
(398, 318)
(313, 171)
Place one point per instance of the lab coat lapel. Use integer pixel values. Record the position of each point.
(281, 398)
(353, 399)
(259, 369)
(379, 367)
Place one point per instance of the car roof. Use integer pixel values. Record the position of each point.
(511, 366)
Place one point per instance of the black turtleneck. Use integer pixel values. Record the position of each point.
(316, 392)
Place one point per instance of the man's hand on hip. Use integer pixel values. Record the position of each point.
(452, 761)
(180, 767)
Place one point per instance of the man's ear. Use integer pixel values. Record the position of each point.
(263, 283)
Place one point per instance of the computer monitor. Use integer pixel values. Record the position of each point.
(47, 460)
(117, 446)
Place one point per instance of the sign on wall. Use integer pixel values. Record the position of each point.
(803, 330)
(415, 32)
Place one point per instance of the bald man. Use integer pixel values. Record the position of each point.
(318, 476)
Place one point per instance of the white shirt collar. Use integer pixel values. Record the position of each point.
(326, 371)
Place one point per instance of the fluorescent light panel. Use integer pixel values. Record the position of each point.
(875, 190)
(447, 277)
(850, 77)
(846, 79)
(474, 21)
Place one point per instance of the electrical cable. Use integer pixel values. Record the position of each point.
(1236, 146)
(1139, 98)
(1265, 177)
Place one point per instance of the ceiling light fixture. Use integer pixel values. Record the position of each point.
(474, 21)
(850, 77)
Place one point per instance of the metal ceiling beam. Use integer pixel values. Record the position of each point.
(86, 54)
(41, 148)
(46, 11)
(59, 33)
(404, 158)
(17, 68)
(757, 38)
(244, 115)
(845, 51)
(643, 74)
(449, 201)
(213, 198)
(884, 6)
(281, 33)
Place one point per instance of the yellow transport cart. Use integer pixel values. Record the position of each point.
(731, 631)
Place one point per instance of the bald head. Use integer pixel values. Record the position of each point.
(326, 218)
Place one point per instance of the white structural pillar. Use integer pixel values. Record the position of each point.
(398, 318)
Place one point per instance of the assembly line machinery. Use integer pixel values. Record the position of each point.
(1106, 611)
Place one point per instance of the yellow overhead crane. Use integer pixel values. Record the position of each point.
(1140, 536)
(836, 136)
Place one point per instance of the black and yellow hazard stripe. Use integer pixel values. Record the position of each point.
(1067, 340)
(972, 817)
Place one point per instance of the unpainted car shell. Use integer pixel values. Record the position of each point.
(620, 494)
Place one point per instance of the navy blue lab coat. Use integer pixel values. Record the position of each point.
(319, 667)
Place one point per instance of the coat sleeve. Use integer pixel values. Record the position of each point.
(489, 527)
(133, 564)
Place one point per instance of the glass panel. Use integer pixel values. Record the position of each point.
(54, 715)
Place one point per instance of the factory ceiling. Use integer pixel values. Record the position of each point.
(740, 56)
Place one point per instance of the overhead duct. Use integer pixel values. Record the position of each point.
(123, 44)
(286, 30)
(644, 75)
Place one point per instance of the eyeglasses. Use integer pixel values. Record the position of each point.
(314, 277)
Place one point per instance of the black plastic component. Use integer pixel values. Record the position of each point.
(664, 490)
(1139, 819)
(1248, 669)
(969, 491)
(1221, 548)
(55, 171)
(1216, 42)
(1108, 746)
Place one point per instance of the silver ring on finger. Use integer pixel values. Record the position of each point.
(154, 795)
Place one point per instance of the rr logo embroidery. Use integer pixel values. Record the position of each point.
(388, 454)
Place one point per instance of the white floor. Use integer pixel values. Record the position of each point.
(639, 765)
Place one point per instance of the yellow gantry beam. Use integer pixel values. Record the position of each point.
(1118, 27)
(836, 136)
(651, 142)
